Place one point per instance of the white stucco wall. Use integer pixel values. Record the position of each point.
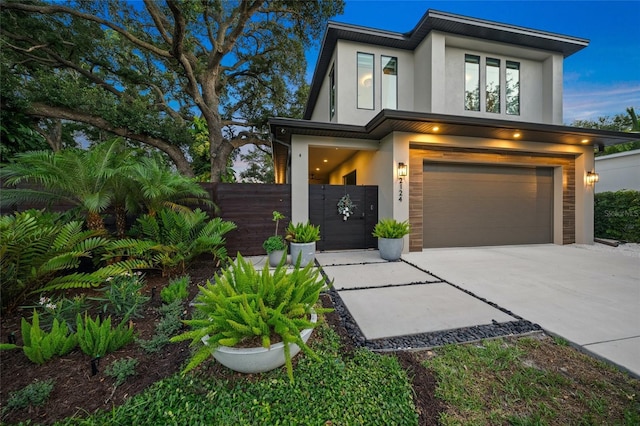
(618, 171)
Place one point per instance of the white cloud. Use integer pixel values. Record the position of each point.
(590, 101)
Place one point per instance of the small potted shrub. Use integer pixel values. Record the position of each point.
(390, 234)
(303, 237)
(254, 321)
(275, 246)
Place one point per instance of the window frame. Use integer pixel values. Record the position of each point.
(506, 84)
(490, 63)
(373, 81)
(332, 92)
(476, 61)
(382, 78)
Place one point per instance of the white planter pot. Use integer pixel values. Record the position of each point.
(390, 248)
(306, 250)
(258, 360)
(276, 256)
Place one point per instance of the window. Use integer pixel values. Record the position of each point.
(349, 178)
(332, 92)
(493, 85)
(513, 88)
(389, 82)
(472, 83)
(365, 81)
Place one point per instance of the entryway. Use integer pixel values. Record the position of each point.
(337, 233)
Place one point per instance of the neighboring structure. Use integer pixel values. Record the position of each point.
(473, 107)
(619, 171)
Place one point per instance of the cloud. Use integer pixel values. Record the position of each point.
(590, 101)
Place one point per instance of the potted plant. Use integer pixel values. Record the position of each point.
(254, 321)
(275, 246)
(390, 235)
(303, 237)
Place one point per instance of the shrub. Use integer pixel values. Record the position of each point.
(176, 290)
(121, 369)
(62, 309)
(96, 338)
(244, 304)
(617, 215)
(168, 325)
(33, 395)
(39, 346)
(122, 296)
(391, 228)
(182, 236)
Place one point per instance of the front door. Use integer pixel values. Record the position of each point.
(337, 233)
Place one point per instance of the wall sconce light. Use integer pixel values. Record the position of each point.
(592, 178)
(402, 173)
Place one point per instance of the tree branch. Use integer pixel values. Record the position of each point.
(154, 12)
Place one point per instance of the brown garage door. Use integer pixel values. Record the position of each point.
(482, 205)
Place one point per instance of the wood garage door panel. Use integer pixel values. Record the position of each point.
(474, 205)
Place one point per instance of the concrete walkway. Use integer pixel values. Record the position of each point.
(590, 298)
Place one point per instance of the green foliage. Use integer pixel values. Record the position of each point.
(122, 296)
(182, 236)
(34, 249)
(176, 290)
(273, 243)
(362, 388)
(303, 232)
(61, 308)
(244, 303)
(122, 369)
(170, 322)
(617, 215)
(391, 228)
(96, 338)
(39, 346)
(8, 346)
(260, 166)
(33, 395)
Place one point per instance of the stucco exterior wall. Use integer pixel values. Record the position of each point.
(321, 108)
(618, 171)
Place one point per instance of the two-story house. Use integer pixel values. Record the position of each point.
(458, 123)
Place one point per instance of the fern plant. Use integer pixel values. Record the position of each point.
(41, 254)
(180, 237)
(244, 304)
(176, 290)
(40, 346)
(96, 338)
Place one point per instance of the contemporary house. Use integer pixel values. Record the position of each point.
(455, 126)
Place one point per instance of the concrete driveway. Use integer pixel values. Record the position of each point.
(589, 297)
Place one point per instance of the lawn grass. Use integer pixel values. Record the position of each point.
(529, 381)
(362, 388)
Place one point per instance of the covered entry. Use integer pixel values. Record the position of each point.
(339, 234)
(468, 205)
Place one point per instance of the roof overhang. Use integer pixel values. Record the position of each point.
(388, 121)
(438, 21)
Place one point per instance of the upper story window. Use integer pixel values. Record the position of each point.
(471, 83)
(332, 92)
(513, 88)
(365, 80)
(493, 85)
(389, 82)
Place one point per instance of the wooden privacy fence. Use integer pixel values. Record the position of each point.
(249, 205)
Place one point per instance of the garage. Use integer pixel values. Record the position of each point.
(467, 205)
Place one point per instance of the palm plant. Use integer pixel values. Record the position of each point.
(159, 187)
(82, 178)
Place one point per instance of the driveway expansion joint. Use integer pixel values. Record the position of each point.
(374, 287)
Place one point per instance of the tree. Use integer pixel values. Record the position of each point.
(144, 70)
(260, 166)
(619, 123)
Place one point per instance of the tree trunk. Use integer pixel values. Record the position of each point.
(95, 222)
(121, 220)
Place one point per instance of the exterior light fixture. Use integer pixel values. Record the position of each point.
(516, 135)
(402, 173)
(592, 178)
(435, 128)
(584, 141)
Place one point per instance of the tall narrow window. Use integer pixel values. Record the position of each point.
(472, 83)
(365, 81)
(332, 92)
(513, 88)
(389, 82)
(493, 85)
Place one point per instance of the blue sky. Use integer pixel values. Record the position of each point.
(601, 80)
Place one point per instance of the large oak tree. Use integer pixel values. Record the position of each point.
(144, 70)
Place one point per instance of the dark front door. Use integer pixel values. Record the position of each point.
(337, 233)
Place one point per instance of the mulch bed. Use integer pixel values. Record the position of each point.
(78, 393)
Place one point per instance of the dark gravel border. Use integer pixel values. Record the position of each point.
(432, 339)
